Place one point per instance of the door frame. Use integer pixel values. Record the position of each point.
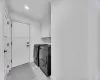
(12, 37)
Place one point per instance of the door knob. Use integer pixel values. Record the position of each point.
(28, 44)
(7, 44)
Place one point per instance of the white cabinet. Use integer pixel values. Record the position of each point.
(45, 31)
(46, 27)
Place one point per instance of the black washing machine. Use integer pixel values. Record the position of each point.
(36, 53)
(45, 59)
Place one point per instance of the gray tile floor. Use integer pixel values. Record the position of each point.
(28, 71)
(39, 74)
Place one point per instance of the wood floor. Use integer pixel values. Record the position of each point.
(28, 71)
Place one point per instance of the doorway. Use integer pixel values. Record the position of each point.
(20, 43)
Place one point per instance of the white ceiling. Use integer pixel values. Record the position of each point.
(37, 9)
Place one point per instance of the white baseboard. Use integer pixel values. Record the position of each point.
(52, 78)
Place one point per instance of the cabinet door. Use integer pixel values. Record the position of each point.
(46, 27)
(45, 31)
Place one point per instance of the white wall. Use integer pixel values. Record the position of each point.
(93, 40)
(36, 37)
(74, 37)
(1, 42)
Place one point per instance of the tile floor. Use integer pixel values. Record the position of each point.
(28, 71)
(39, 74)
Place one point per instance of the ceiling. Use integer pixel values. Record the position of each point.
(32, 9)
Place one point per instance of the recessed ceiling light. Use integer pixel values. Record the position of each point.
(26, 7)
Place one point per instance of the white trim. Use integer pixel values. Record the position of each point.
(52, 78)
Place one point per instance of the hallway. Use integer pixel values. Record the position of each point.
(28, 71)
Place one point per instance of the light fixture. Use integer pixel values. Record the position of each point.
(26, 7)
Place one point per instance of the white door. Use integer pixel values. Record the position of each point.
(7, 48)
(20, 43)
